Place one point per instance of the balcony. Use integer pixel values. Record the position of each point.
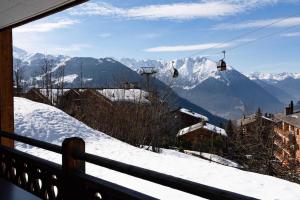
(284, 133)
(286, 147)
(48, 180)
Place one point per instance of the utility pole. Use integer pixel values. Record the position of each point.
(81, 76)
(147, 72)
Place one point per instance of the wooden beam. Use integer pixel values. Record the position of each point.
(6, 85)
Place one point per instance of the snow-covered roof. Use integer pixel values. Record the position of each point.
(293, 119)
(193, 114)
(207, 126)
(130, 95)
(53, 94)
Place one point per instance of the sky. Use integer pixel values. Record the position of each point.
(257, 35)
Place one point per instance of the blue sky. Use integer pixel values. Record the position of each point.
(169, 29)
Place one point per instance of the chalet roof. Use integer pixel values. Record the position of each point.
(128, 95)
(293, 119)
(193, 114)
(252, 118)
(210, 127)
(54, 94)
(246, 120)
(17, 12)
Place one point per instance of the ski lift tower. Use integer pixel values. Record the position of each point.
(147, 72)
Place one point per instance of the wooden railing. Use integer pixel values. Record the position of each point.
(49, 180)
(284, 133)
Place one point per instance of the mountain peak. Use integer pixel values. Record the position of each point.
(273, 77)
(192, 70)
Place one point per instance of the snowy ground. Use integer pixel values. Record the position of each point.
(47, 123)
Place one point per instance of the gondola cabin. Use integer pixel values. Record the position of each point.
(221, 65)
(175, 73)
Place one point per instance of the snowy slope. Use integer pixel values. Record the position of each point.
(49, 124)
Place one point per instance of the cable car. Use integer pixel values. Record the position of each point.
(175, 71)
(222, 64)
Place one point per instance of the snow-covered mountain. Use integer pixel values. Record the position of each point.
(229, 93)
(273, 77)
(192, 71)
(285, 86)
(96, 72)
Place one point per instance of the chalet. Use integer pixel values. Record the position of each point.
(248, 124)
(126, 95)
(70, 102)
(288, 137)
(36, 95)
(188, 117)
(203, 137)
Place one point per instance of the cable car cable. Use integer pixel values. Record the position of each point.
(247, 33)
(261, 38)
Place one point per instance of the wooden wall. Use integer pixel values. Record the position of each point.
(6, 85)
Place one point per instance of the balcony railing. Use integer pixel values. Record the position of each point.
(49, 180)
(287, 147)
(284, 133)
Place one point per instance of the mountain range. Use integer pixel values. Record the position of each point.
(96, 72)
(285, 86)
(228, 94)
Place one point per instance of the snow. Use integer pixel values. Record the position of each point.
(193, 114)
(49, 124)
(130, 95)
(200, 125)
(273, 76)
(214, 158)
(192, 70)
(70, 78)
(54, 93)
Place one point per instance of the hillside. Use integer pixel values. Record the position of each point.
(49, 124)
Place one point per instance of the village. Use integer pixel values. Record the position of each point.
(262, 142)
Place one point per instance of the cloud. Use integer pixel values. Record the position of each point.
(193, 47)
(278, 22)
(293, 34)
(175, 11)
(46, 26)
(149, 35)
(104, 35)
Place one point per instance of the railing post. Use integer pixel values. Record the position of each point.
(70, 189)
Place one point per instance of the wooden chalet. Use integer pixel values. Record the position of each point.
(249, 123)
(288, 137)
(35, 95)
(23, 176)
(188, 117)
(203, 137)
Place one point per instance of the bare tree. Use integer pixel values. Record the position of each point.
(19, 75)
(46, 75)
(60, 79)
